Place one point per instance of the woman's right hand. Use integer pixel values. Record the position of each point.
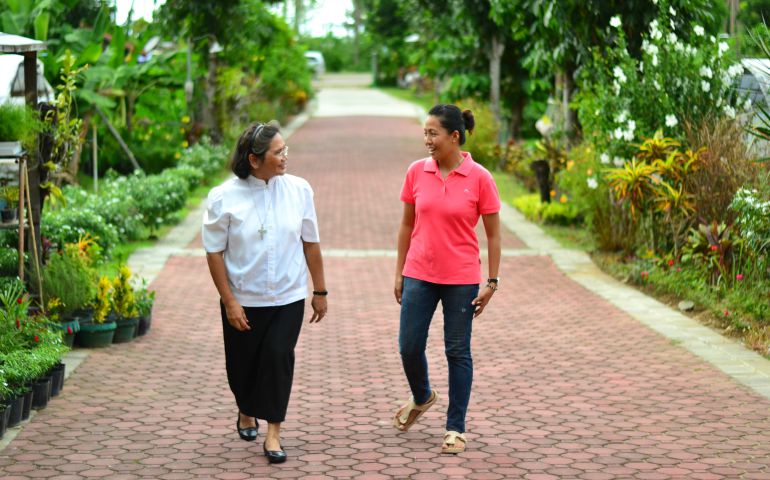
(399, 288)
(236, 317)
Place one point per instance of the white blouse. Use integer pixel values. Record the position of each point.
(260, 228)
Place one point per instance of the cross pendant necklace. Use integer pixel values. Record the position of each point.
(262, 230)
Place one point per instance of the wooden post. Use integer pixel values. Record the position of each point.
(33, 166)
(21, 216)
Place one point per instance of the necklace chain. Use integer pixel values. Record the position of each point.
(262, 231)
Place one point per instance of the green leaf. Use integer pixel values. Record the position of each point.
(41, 26)
(90, 55)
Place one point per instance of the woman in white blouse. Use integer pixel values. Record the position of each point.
(261, 238)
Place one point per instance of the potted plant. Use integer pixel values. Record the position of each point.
(18, 127)
(100, 332)
(124, 306)
(144, 300)
(69, 280)
(10, 194)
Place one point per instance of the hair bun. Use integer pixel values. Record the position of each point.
(470, 122)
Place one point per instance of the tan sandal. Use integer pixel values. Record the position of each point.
(407, 415)
(454, 442)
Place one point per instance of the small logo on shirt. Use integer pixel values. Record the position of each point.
(467, 191)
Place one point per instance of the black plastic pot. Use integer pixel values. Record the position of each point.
(4, 419)
(57, 378)
(27, 409)
(16, 406)
(41, 393)
(144, 324)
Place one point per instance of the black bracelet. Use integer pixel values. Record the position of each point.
(320, 293)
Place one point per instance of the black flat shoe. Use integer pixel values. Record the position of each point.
(274, 456)
(249, 433)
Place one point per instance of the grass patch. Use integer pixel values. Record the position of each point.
(426, 100)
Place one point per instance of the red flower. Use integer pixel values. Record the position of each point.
(678, 269)
(18, 323)
(69, 330)
(37, 339)
(19, 300)
(645, 274)
(670, 263)
(727, 313)
(739, 277)
(714, 248)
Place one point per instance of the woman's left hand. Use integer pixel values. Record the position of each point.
(481, 300)
(319, 308)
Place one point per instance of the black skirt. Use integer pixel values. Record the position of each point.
(260, 362)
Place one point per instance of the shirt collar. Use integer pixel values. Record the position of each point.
(464, 169)
(259, 183)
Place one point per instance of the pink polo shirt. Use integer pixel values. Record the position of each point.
(444, 248)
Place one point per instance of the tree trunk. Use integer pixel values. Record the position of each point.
(299, 13)
(517, 117)
(358, 8)
(495, 58)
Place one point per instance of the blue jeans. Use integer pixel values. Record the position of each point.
(418, 303)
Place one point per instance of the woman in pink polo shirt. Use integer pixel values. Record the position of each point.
(438, 259)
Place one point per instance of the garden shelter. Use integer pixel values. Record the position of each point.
(28, 48)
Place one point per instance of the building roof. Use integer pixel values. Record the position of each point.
(18, 44)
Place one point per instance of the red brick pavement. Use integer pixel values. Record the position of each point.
(567, 386)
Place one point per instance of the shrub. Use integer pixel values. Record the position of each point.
(623, 98)
(69, 276)
(123, 294)
(18, 123)
(556, 213)
(209, 158)
(482, 144)
(67, 225)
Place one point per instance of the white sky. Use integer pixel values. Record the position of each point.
(327, 15)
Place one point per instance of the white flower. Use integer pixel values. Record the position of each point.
(656, 84)
(649, 48)
(735, 70)
(592, 183)
(679, 47)
(719, 101)
(706, 72)
(672, 38)
(671, 121)
(618, 73)
(729, 111)
(622, 116)
(672, 11)
(747, 104)
(654, 2)
(615, 21)
(654, 60)
(616, 86)
(617, 133)
(628, 135)
(631, 125)
(604, 158)
(618, 162)
(705, 86)
(723, 47)
(698, 30)
(713, 39)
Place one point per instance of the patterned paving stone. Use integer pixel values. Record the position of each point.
(566, 385)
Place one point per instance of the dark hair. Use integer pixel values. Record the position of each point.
(451, 118)
(255, 139)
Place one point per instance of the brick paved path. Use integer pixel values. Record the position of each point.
(567, 386)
